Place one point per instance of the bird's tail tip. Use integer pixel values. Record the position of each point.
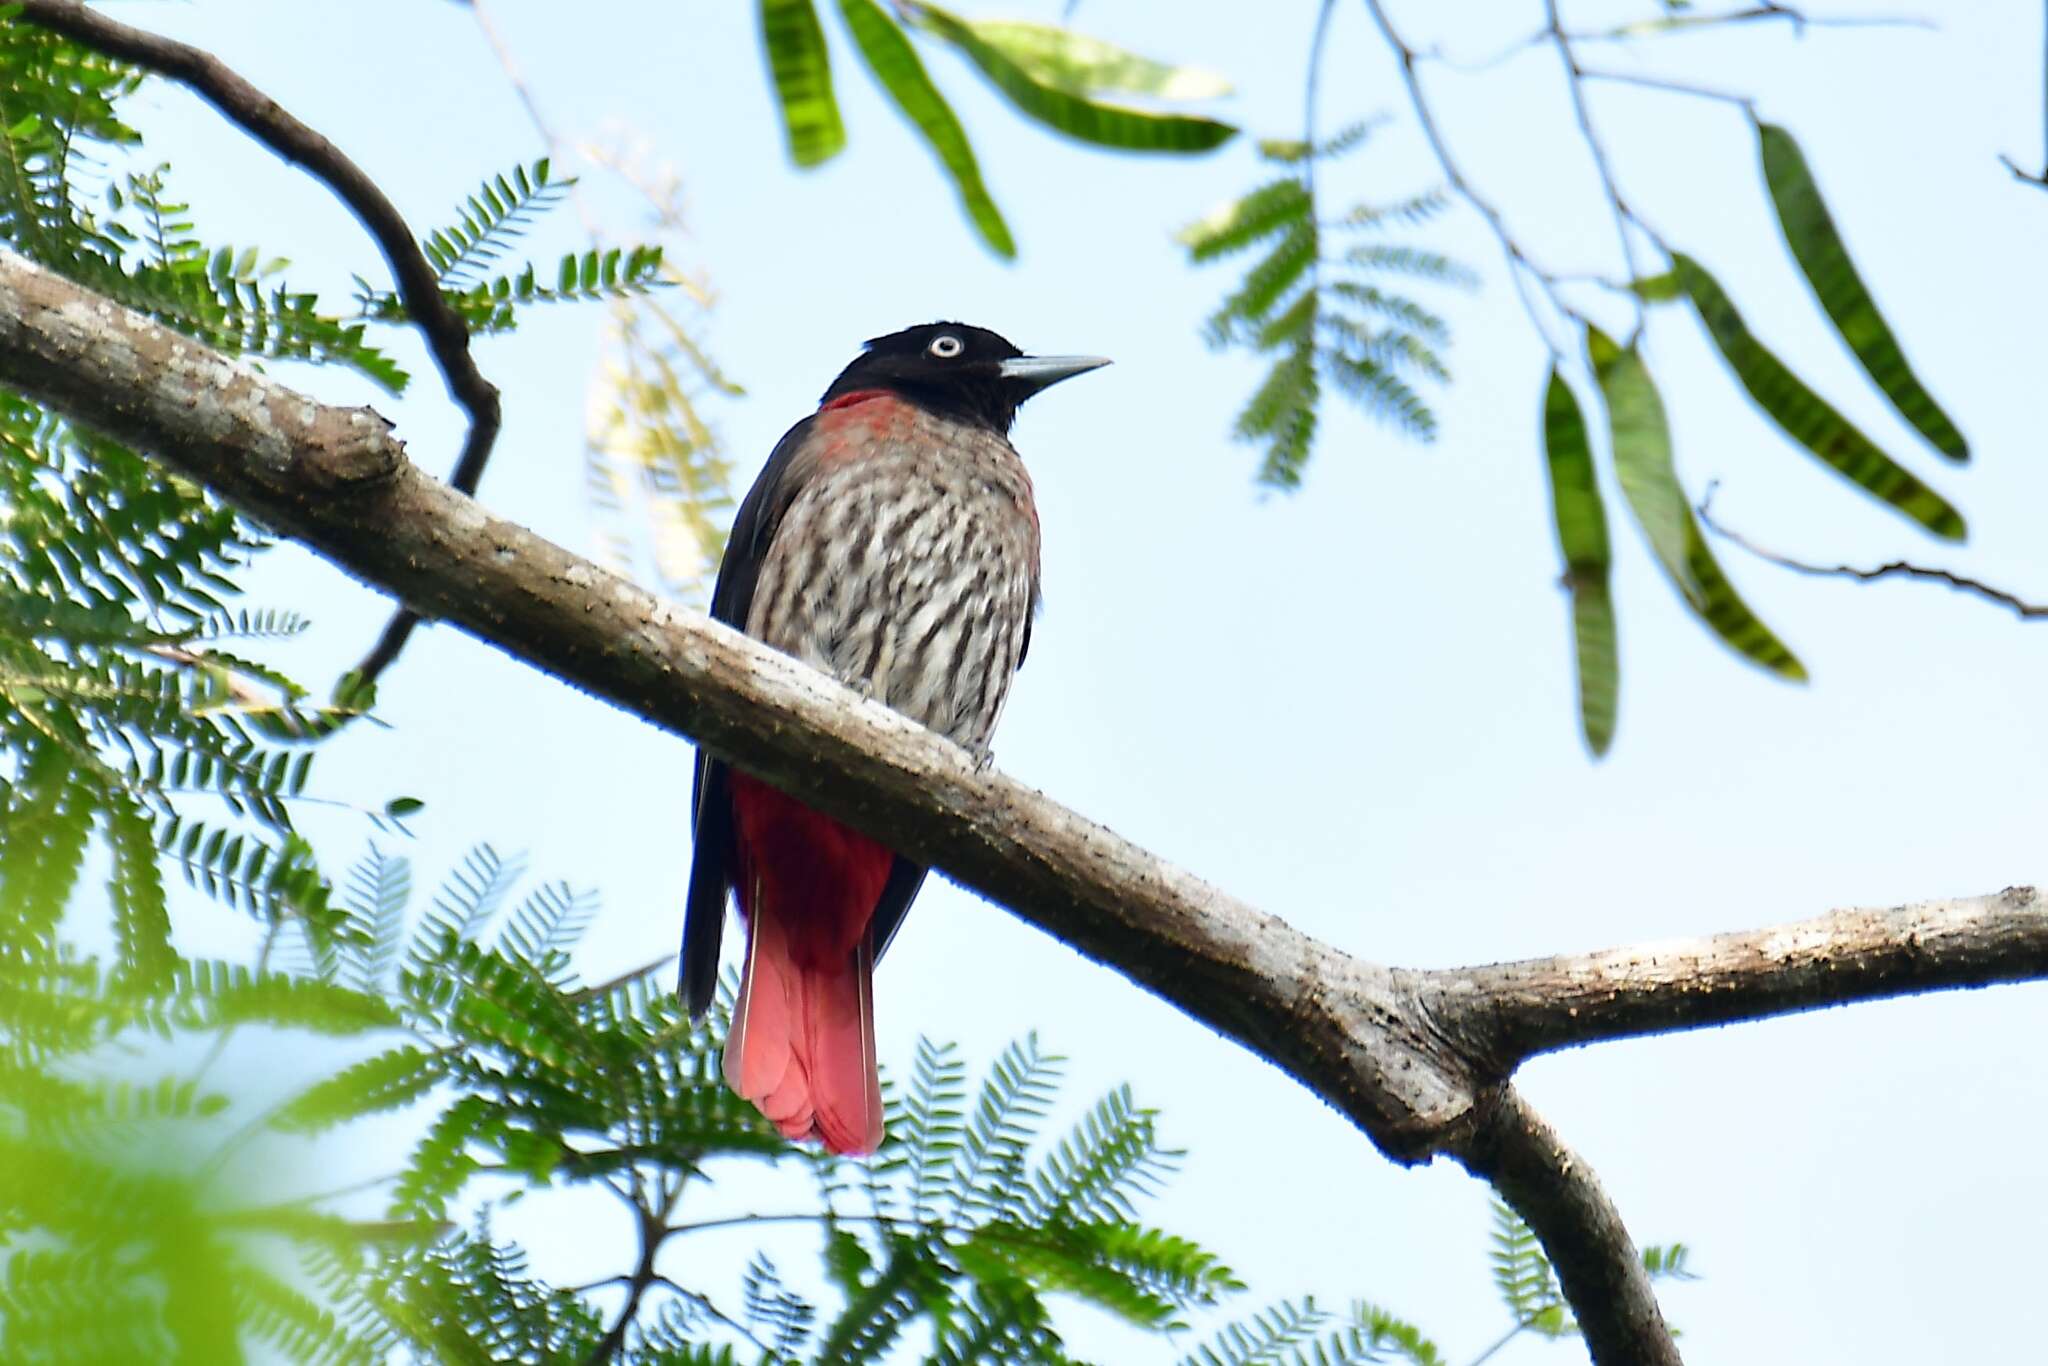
(802, 1045)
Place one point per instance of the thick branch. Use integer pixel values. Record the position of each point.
(1596, 1261)
(417, 283)
(1506, 1012)
(1415, 1059)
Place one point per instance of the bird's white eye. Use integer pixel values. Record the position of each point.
(946, 347)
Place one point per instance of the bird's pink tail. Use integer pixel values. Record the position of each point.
(802, 1044)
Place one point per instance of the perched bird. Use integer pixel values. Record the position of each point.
(891, 541)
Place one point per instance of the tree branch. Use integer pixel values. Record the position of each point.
(2024, 610)
(417, 283)
(1416, 1059)
(1589, 1247)
(1505, 1013)
(653, 1231)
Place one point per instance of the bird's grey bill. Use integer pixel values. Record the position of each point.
(1044, 370)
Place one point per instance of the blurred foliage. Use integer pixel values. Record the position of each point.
(1641, 451)
(1639, 438)
(1316, 299)
(1528, 1287)
(501, 210)
(1051, 75)
(148, 1213)
(652, 458)
(1582, 540)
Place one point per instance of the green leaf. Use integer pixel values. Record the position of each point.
(1810, 232)
(384, 1082)
(1807, 417)
(142, 920)
(1240, 222)
(1106, 125)
(1293, 256)
(1582, 537)
(48, 815)
(1059, 1259)
(1081, 65)
(1281, 413)
(1596, 647)
(1730, 618)
(1641, 441)
(875, 1316)
(1658, 289)
(211, 995)
(1294, 151)
(847, 1262)
(1668, 1261)
(897, 69)
(802, 71)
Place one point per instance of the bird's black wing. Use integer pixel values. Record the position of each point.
(898, 892)
(732, 597)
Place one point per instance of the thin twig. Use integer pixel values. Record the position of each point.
(1498, 1343)
(418, 285)
(881, 1221)
(1669, 87)
(1518, 260)
(614, 983)
(2019, 172)
(1896, 569)
(652, 1232)
(1616, 205)
(515, 76)
(1497, 57)
(704, 1303)
(1311, 85)
(1681, 25)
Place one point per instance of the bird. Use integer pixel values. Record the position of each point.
(891, 541)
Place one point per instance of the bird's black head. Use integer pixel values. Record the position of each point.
(964, 372)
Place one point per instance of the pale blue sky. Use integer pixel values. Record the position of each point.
(1352, 706)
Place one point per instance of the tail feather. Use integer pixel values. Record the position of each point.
(802, 1043)
(846, 1087)
(802, 1046)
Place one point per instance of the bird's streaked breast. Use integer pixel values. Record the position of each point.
(906, 563)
